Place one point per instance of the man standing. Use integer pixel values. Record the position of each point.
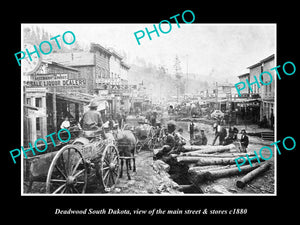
(220, 132)
(191, 129)
(203, 137)
(244, 141)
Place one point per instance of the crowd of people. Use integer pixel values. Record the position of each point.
(174, 136)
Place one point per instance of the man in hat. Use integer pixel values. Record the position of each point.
(91, 120)
(191, 129)
(197, 140)
(203, 137)
(220, 132)
(244, 141)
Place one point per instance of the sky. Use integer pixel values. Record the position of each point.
(222, 51)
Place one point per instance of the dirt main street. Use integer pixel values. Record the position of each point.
(149, 179)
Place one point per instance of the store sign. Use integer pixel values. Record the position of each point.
(55, 83)
(51, 76)
(117, 89)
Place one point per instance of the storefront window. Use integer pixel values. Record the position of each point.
(38, 102)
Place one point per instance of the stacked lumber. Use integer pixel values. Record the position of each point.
(208, 163)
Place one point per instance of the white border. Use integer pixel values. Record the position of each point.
(198, 195)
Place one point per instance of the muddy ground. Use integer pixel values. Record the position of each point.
(148, 181)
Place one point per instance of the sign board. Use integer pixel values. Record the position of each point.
(50, 76)
(55, 83)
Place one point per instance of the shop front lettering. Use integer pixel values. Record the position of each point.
(18, 151)
(55, 83)
(140, 34)
(36, 51)
(266, 148)
(242, 85)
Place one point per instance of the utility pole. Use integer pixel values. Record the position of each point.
(187, 69)
(217, 96)
(178, 76)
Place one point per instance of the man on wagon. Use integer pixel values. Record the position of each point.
(91, 120)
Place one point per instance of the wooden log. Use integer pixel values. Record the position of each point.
(185, 187)
(204, 161)
(209, 168)
(207, 161)
(223, 155)
(190, 148)
(232, 171)
(254, 173)
(200, 174)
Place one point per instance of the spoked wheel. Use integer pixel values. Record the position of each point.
(151, 144)
(67, 172)
(139, 146)
(109, 167)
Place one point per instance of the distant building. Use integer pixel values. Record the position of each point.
(48, 99)
(105, 73)
(124, 71)
(244, 92)
(255, 71)
(264, 93)
(268, 91)
(115, 67)
(56, 77)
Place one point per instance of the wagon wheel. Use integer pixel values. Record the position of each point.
(151, 144)
(139, 146)
(109, 166)
(67, 172)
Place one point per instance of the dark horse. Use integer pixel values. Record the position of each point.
(126, 143)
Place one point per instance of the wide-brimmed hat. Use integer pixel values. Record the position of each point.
(93, 104)
(171, 123)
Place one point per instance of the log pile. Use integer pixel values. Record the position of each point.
(208, 163)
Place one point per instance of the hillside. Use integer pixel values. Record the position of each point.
(160, 84)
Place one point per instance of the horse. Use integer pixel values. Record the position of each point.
(126, 143)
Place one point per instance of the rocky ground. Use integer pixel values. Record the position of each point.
(151, 177)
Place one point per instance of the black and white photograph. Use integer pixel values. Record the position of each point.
(143, 109)
(127, 111)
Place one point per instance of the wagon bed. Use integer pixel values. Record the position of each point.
(67, 170)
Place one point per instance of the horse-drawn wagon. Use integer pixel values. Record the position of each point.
(69, 169)
(147, 136)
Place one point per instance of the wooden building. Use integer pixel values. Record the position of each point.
(50, 94)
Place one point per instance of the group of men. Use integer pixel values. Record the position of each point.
(197, 138)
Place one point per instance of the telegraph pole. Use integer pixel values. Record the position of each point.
(187, 69)
(217, 96)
